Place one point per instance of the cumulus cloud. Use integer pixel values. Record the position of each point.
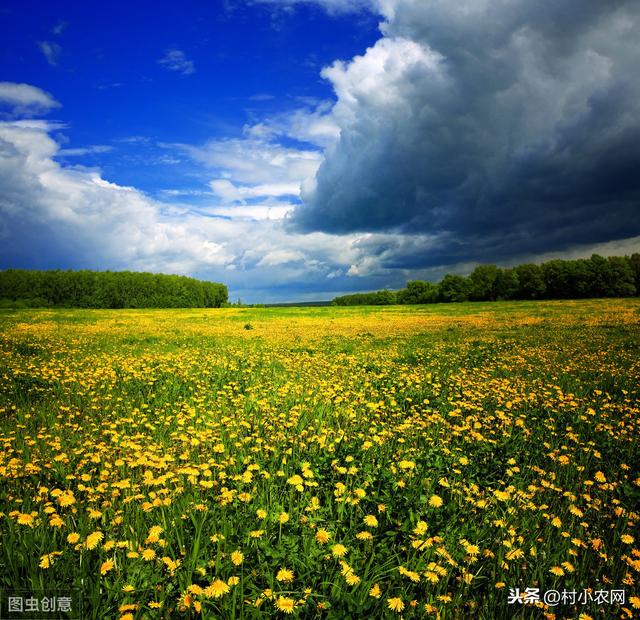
(491, 128)
(176, 60)
(24, 100)
(253, 165)
(58, 216)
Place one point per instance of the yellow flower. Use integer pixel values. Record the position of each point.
(635, 601)
(625, 538)
(352, 579)
(217, 589)
(262, 514)
(364, 536)
(286, 605)
(338, 550)
(256, 533)
(106, 567)
(73, 538)
(283, 518)
(420, 528)
(285, 575)
(237, 557)
(556, 570)
(395, 604)
(435, 501)
(322, 536)
(93, 540)
(48, 559)
(600, 477)
(25, 519)
(371, 521)
(148, 554)
(375, 591)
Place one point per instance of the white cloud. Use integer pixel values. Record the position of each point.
(331, 6)
(254, 161)
(176, 60)
(25, 100)
(87, 150)
(52, 52)
(229, 192)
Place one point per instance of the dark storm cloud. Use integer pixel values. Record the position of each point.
(498, 128)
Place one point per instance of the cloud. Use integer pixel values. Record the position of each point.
(87, 150)
(254, 160)
(52, 52)
(58, 216)
(25, 100)
(331, 6)
(491, 129)
(176, 60)
(229, 192)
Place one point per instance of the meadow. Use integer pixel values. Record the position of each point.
(390, 462)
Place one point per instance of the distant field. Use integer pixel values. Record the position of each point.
(327, 462)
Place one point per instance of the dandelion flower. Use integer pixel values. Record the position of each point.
(371, 521)
(73, 538)
(93, 540)
(435, 501)
(106, 567)
(395, 604)
(237, 558)
(557, 570)
(375, 591)
(25, 519)
(286, 605)
(148, 554)
(338, 551)
(285, 575)
(217, 589)
(322, 536)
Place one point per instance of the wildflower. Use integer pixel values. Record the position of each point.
(48, 559)
(73, 538)
(93, 540)
(375, 591)
(217, 589)
(285, 575)
(338, 551)
(625, 538)
(283, 518)
(556, 570)
(371, 521)
(25, 519)
(322, 536)
(395, 604)
(148, 554)
(284, 604)
(262, 514)
(106, 567)
(600, 477)
(364, 536)
(237, 558)
(420, 528)
(435, 501)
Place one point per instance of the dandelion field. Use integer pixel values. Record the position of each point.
(413, 462)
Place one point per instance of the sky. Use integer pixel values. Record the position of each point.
(302, 149)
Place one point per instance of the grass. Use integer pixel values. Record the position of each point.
(328, 462)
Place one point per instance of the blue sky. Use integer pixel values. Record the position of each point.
(300, 149)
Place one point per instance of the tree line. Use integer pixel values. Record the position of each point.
(107, 289)
(615, 276)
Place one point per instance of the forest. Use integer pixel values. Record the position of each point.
(615, 276)
(24, 288)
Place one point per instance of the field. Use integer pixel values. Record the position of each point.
(414, 462)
